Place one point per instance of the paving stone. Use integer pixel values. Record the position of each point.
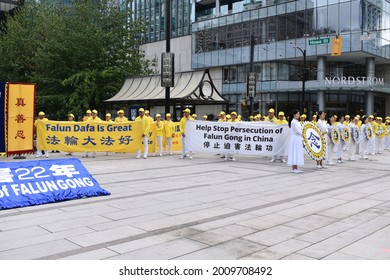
(105, 236)
(280, 250)
(222, 234)
(163, 251)
(38, 250)
(231, 250)
(274, 235)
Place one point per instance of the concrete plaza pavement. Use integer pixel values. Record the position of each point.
(205, 208)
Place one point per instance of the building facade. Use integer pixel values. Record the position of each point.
(292, 49)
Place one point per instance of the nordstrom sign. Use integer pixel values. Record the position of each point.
(370, 81)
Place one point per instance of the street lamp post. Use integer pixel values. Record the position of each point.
(302, 95)
(251, 79)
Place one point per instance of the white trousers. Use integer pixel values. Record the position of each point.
(169, 144)
(146, 146)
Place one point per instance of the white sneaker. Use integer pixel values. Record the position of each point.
(299, 171)
(272, 160)
(138, 157)
(339, 161)
(160, 155)
(296, 171)
(233, 158)
(46, 155)
(38, 156)
(170, 154)
(145, 157)
(319, 166)
(191, 157)
(283, 160)
(323, 167)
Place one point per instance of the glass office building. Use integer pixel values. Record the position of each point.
(355, 82)
(152, 12)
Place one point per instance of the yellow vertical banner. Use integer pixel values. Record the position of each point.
(20, 108)
(176, 141)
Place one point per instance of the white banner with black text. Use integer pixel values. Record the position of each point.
(258, 138)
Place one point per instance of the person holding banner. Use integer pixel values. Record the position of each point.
(351, 148)
(159, 135)
(280, 120)
(222, 117)
(329, 152)
(144, 130)
(87, 116)
(169, 132)
(322, 126)
(121, 118)
(295, 153)
(341, 145)
(233, 119)
(271, 116)
(41, 118)
(364, 139)
(183, 122)
(205, 117)
(371, 149)
(94, 118)
(387, 136)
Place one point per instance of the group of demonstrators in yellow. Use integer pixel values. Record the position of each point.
(366, 135)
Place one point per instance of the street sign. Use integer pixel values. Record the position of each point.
(320, 41)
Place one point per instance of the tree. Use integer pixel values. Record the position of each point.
(77, 53)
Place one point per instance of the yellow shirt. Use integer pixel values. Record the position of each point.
(121, 120)
(169, 127)
(267, 119)
(222, 120)
(40, 120)
(381, 127)
(86, 118)
(145, 128)
(97, 119)
(159, 128)
(280, 122)
(183, 122)
(236, 120)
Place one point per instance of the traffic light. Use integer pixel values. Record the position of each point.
(337, 44)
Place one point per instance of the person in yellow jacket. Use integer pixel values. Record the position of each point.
(233, 119)
(347, 120)
(147, 114)
(194, 116)
(183, 122)
(41, 118)
(314, 119)
(159, 135)
(145, 128)
(222, 117)
(380, 134)
(169, 132)
(257, 118)
(302, 118)
(121, 117)
(281, 120)
(271, 116)
(108, 118)
(95, 119)
(87, 116)
(205, 117)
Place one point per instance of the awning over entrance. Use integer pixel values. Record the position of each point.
(190, 88)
